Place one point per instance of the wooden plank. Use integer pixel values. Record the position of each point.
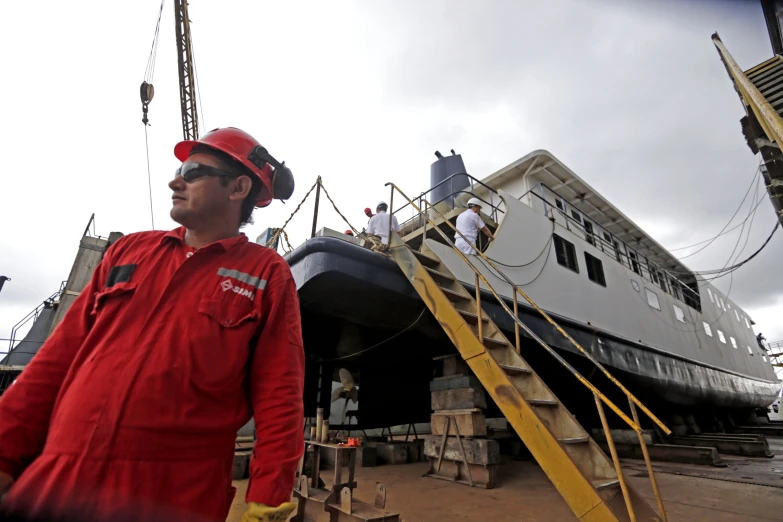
(450, 383)
(455, 366)
(477, 451)
(472, 424)
(483, 476)
(458, 399)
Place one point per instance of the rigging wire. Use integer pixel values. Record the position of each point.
(380, 343)
(149, 176)
(197, 85)
(150, 70)
(758, 170)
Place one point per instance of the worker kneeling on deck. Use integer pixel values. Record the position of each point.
(468, 224)
(379, 223)
(131, 408)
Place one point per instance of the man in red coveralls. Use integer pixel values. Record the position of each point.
(132, 406)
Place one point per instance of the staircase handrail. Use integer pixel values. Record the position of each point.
(636, 427)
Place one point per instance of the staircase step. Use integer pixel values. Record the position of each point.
(454, 296)
(601, 484)
(543, 402)
(472, 318)
(426, 259)
(514, 370)
(439, 275)
(574, 440)
(489, 342)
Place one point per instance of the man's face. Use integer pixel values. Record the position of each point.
(205, 199)
(475, 208)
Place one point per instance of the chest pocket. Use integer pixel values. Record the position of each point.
(231, 311)
(113, 300)
(219, 342)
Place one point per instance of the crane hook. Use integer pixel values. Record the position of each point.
(147, 91)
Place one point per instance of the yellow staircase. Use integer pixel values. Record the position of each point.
(591, 483)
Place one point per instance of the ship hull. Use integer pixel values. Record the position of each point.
(339, 279)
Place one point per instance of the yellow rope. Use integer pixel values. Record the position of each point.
(280, 230)
(337, 210)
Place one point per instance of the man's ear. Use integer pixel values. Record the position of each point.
(241, 187)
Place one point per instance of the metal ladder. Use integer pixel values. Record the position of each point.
(592, 485)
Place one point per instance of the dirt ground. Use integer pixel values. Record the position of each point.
(525, 494)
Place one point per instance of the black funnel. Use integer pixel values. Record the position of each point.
(450, 170)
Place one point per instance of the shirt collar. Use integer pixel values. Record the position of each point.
(178, 236)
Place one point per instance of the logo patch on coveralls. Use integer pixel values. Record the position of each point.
(227, 285)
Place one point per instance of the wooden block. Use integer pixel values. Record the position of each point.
(454, 366)
(241, 466)
(458, 399)
(477, 451)
(483, 476)
(470, 424)
(416, 450)
(366, 457)
(449, 383)
(392, 452)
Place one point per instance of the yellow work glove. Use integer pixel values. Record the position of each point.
(257, 512)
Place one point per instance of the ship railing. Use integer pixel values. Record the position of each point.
(32, 316)
(555, 206)
(600, 399)
(491, 200)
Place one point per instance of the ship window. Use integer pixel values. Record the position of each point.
(707, 328)
(679, 314)
(635, 285)
(566, 254)
(736, 313)
(595, 269)
(764, 357)
(652, 299)
(746, 321)
(721, 337)
(589, 232)
(710, 292)
(750, 351)
(576, 215)
(608, 238)
(733, 342)
(559, 204)
(722, 303)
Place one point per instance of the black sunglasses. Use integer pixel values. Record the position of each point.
(190, 172)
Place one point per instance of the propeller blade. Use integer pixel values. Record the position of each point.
(346, 379)
(337, 394)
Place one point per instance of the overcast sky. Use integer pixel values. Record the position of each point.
(632, 96)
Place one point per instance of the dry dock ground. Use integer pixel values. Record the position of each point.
(525, 493)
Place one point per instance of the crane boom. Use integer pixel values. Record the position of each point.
(187, 90)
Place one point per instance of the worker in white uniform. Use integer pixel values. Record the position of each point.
(379, 223)
(468, 224)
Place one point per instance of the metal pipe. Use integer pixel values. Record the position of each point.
(516, 325)
(391, 215)
(315, 209)
(615, 459)
(650, 472)
(478, 310)
(319, 423)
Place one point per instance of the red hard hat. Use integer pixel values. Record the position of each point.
(367, 210)
(277, 181)
(349, 232)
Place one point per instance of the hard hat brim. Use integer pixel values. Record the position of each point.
(183, 149)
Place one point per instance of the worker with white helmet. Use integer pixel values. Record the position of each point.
(379, 223)
(468, 224)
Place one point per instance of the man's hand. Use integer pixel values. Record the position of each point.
(6, 481)
(257, 512)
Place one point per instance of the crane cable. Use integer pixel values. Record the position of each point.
(146, 93)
